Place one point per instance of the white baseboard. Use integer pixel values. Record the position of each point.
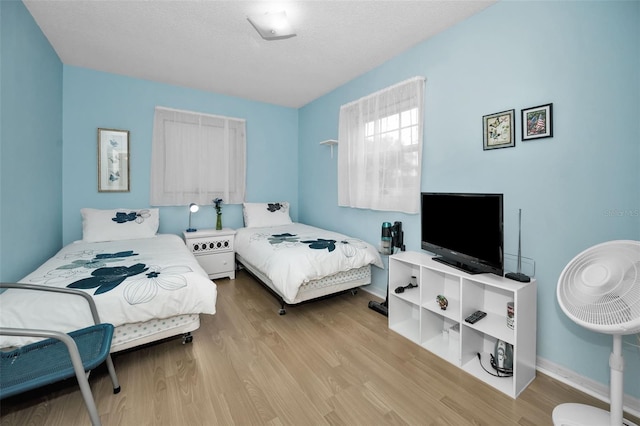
(568, 377)
(584, 384)
(370, 291)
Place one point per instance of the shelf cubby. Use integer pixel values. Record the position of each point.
(435, 337)
(407, 320)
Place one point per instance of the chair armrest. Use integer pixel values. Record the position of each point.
(33, 332)
(71, 291)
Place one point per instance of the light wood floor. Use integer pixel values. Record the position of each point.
(332, 362)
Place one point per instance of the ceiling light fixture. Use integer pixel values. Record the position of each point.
(272, 26)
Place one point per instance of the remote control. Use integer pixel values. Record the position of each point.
(475, 317)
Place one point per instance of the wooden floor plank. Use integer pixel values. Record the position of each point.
(331, 362)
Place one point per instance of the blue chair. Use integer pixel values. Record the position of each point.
(59, 357)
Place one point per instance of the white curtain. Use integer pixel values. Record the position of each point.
(380, 149)
(196, 158)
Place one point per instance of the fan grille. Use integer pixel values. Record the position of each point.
(600, 288)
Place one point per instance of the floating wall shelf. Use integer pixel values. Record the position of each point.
(331, 143)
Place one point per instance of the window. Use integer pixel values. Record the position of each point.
(380, 149)
(196, 158)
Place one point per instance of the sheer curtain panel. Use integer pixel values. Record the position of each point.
(380, 149)
(196, 158)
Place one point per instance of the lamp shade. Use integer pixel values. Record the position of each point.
(272, 26)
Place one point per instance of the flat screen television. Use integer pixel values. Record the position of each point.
(464, 230)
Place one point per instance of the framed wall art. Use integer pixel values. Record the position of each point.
(113, 160)
(537, 122)
(498, 130)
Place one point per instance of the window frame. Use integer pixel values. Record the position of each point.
(213, 166)
(377, 169)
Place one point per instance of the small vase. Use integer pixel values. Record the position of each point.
(219, 222)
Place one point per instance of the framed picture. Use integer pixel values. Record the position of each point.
(537, 122)
(113, 160)
(498, 130)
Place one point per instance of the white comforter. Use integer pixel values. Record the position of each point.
(291, 255)
(131, 280)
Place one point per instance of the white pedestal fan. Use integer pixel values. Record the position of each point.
(600, 290)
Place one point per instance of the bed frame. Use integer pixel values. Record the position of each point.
(132, 335)
(313, 290)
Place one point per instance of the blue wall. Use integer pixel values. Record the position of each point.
(577, 189)
(100, 100)
(30, 144)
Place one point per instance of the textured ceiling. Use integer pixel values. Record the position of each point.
(210, 45)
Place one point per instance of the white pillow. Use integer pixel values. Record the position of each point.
(257, 215)
(119, 224)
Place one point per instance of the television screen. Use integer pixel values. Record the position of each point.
(464, 230)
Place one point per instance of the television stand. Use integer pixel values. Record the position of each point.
(417, 315)
(458, 265)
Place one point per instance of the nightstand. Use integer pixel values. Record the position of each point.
(214, 251)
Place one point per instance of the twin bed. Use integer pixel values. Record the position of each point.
(148, 285)
(151, 287)
(298, 262)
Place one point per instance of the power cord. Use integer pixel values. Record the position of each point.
(401, 289)
(502, 372)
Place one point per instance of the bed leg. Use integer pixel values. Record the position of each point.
(282, 311)
(354, 291)
(187, 338)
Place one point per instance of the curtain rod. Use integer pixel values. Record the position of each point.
(184, 111)
(385, 89)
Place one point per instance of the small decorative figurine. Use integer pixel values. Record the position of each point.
(442, 301)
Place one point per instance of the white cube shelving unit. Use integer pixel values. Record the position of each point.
(416, 315)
